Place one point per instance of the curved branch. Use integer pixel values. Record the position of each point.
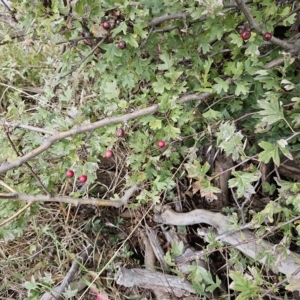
(244, 240)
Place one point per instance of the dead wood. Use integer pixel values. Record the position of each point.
(222, 164)
(157, 249)
(58, 291)
(244, 240)
(289, 169)
(149, 261)
(153, 280)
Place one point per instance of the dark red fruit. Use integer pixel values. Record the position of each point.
(246, 34)
(70, 173)
(120, 132)
(145, 55)
(267, 36)
(122, 45)
(106, 25)
(82, 178)
(109, 154)
(161, 144)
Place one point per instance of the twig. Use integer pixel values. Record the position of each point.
(78, 40)
(7, 186)
(65, 199)
(15, 215)
(5, 4)
(28, 127)
(167, 17)
(26, 163)
(279, 284)
(85, 58)
(184, 15)
(48, 142)
(287, 15)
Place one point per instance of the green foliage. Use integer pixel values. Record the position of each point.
(251, 110)
(202, 280)
(248, 284)
(242, 181)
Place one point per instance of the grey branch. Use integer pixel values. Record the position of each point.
(58, 291)
(157, 281)
(244, 240)
(75, 201)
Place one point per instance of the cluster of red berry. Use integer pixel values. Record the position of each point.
(108, 154)
(246, 34)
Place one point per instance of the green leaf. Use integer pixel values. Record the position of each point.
(111, 51)
(168, 62)
(139, 30)
(282, 146)
(271, 110)
(155, 124)
(110, 90)
(270, 151)
(168, 259)
(130, 39)
(220, 85)
(230, 140)
(242, 87)
(177, 249)
(212, 115)
(122, 27)
(243, 182)
(248, 288)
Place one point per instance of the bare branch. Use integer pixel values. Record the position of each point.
(167, 17)
(32, 128)
(75, 201)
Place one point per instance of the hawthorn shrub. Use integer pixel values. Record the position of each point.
(179, 72)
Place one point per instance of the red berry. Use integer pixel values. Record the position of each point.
(161, 144)
(267, 36)
(120, 132)
(82, 178)
(246, 34)
(106, 25)
(206, 100)
(145, 55)
(70, 173)
(122, 45)
(109, 154)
